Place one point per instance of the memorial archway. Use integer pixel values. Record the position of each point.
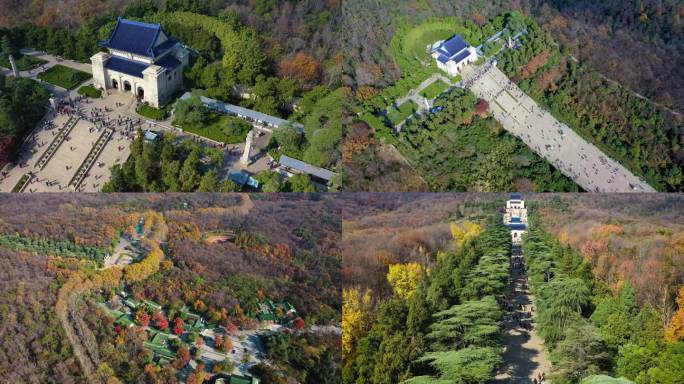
(141, 93)
(115, 84)
(127, 86)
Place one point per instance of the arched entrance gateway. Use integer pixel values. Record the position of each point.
(115, 84)
(127, 86)
(141, 93)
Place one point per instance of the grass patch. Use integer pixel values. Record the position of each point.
(397, 115)
(221, 128)
(434, 89)
(151, 112)
(492, 48)
(64, 77)
(24, 63)
(20, 183)
(90, 91)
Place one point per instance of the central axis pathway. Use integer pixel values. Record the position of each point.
(524, 357)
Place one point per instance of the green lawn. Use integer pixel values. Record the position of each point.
(24, 63)
(434, 89)
(491, 49)
(64, 77)
(222, 128)
(396, 116)
(90, 91)
(20, 183)
(150, 112)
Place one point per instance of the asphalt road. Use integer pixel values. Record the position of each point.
(520, 115)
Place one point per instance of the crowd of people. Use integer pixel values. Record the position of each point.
(550, 136)
(519, 311)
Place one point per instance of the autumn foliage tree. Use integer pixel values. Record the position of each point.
(464, 231)
(142, 318)
(178, 326)
(302, 67)
(182, 357)
(355, 315)
(227, 344)
(675, 331)
(160, 321)
(404, 278)
(298, 323)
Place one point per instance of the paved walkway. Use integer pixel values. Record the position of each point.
(576, 158)
(524, 356)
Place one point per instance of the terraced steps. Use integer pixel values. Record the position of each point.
(57, 142)
(91, 158)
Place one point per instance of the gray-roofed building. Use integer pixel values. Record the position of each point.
(244, 113)
(298, 166)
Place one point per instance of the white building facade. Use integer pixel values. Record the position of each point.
(142, 60)
(515, 217)
(453, 54)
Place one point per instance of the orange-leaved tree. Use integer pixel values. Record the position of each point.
(675, 331)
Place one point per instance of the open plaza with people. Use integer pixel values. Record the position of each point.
(571, 154)
(64, 142)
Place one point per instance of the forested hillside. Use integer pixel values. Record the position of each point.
(411, 337)
(222, 257)
(636, 43)
(639, 133)
(591, 326)
(606, 273)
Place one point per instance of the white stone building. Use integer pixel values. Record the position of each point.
(453, 54)
(142, 60)
(515, 217)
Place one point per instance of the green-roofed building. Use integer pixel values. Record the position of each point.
(237, 379)
(124, 321)
(152, 305)
(160, 350)
(132, 304)
(289, 308)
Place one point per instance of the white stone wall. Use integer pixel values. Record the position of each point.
(99, 77)
(158, 85)
(453, 68)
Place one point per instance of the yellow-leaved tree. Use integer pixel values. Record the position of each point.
(464, 231)
(355, 311)
(675, 331)
(404, 278)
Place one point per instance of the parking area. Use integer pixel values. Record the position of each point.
(520, 115)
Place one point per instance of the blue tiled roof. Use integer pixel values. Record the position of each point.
(169, 62)
(129, 67)
(453, 46)
(515, 219)
(517, 227)
(134, 36)
(165, 46)
(461, 56)
(516, 196)
(442, 59)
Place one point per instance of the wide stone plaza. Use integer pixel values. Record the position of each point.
(60, 169)
(520, 115)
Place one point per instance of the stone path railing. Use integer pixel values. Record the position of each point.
(57, 142)
(91, 158)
